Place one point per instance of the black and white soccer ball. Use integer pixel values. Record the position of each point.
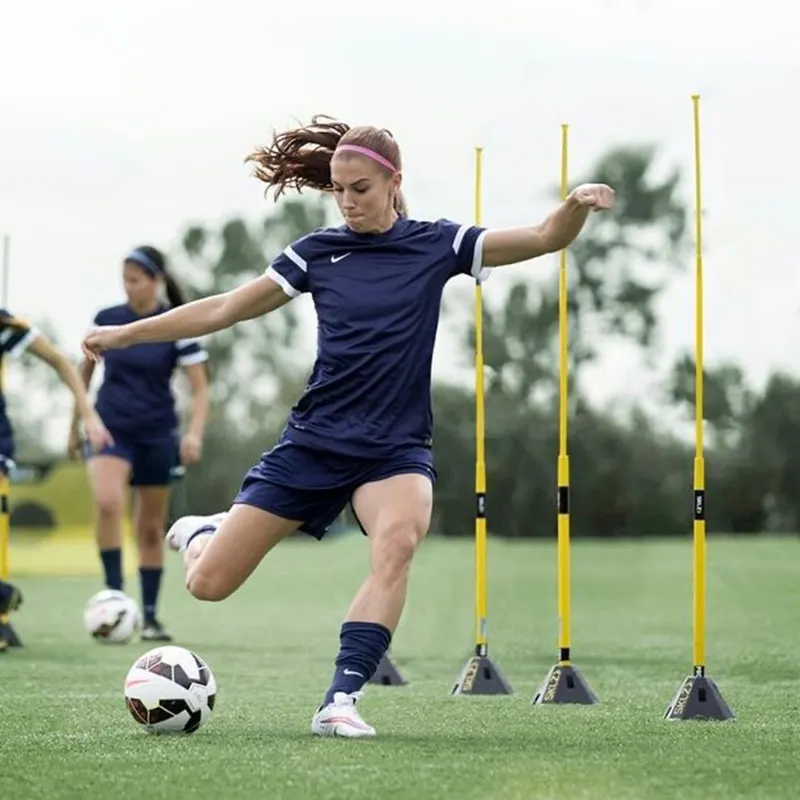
(112, 617)
(170, 690)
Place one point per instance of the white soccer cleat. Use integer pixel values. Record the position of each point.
(183, 528)
(340, 718)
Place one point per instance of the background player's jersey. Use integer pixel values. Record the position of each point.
(15, 337)
(378, 299)
(135, 398)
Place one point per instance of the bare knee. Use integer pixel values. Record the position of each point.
(393, 550)
(109, 507)
(204, 585)
(151, 534)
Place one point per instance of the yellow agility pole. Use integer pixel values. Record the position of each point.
(481, 642)
(698, 697)
(564, 683)
(480, 675)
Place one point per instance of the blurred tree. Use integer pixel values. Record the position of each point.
(617, 267)
(770, 451)
(629, 479)
(727, 398)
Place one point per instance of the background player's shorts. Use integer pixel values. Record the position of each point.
(152, 463)
(297, 482)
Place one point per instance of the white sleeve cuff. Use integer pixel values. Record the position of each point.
(478, 271)
(23, 344)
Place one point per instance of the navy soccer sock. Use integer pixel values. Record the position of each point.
(150, 578)
(362, 646)
(112, 567)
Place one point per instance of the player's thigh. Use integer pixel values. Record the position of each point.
(109, 473)
(239, 545)
(395, 512)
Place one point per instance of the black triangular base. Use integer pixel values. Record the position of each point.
(387, 674)
(481, 676)
(8, 633)
(564, 684)
(698, 698)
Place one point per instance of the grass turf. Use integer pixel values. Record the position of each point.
(66, 732)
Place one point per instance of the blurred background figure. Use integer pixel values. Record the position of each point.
(17, 337)
(136, 402)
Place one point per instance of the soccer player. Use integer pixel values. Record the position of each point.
(361, 432)
(135, 401)
(16, 338)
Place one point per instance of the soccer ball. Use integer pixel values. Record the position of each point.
(111, 616)
(170, 690)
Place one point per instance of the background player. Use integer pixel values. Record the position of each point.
(361, 432)
(135, 401)
(16, 338)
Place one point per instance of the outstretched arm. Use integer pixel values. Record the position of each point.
(191, 320)
(557, 231)
(95, 430)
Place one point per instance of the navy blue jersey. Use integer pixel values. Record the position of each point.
(15, 336)
(378, 299)
(135, 398)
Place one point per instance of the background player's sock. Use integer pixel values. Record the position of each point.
(150, 578)
(112, 567)
(362, 646)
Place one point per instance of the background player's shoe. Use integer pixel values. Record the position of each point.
(10, 598)
(340, 718)
(183, 528)
(153, 631)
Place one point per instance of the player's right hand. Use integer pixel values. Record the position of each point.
(102, 338)
(97, 433)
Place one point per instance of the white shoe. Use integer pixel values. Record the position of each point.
(340, 718)
(183, 528)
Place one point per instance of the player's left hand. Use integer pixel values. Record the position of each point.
(191, 449)
(597, 196)
(97, 433)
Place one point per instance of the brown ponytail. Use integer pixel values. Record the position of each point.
(175, 294)
(301, 158)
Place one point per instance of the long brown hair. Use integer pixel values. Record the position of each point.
(301, 158)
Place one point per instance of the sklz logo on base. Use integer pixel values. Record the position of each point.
(682, 698)
(552, 684)
(469, 675)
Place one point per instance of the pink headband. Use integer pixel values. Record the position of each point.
(365, 151)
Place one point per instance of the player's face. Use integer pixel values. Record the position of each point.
(364, 192)
(140, 287)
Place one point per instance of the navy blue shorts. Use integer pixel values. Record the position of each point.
(297, 482)
(152, 463)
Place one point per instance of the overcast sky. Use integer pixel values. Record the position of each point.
(122, 122)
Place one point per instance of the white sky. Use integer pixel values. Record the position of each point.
(122, 122)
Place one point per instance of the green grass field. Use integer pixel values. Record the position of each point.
(66, 732)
